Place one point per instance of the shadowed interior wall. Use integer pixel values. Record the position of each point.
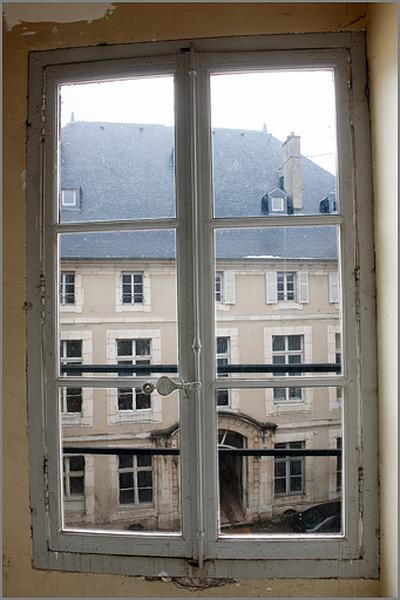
(145, 22)
(383, 70)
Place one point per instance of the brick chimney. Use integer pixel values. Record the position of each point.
(292, 170)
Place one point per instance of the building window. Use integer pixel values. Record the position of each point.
(71, 397)
(219, 291)
(339, 465)
(132, 288)
(286, 283)
(69, 199)
(223, 358)
(67, 287)
(277, 204)
(338, 360)
(287, 286)
(334, 291)
(287, 350)
(135, 476)
(225, 289)
(74, 477)
(133, 352)
(289, 471)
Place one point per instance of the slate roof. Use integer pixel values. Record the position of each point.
(123, 170)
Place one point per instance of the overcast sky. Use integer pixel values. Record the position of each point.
(302, 102)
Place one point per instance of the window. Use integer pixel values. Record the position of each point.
(133, 352)
(74, 477)
(277, 204)
(223, 358)
(219, 293)
(225, 289)
(67, 287)
(71, 397)
(69, 199)
(135, 478)
(339, 465)
(338, 360)
(195, 229)
(333, 287)
(289, 471)
(132, 288)
(287, 350)
(286, 285)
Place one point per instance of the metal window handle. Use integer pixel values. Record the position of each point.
(165, 386)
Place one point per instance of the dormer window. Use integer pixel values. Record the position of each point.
(69, 199)
(277, 204)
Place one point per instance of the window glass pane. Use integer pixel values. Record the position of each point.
(143, 460)
(104, 330)
(126, 480)
(76, 463)
(108, 489)
(125, 460)
(280, 311)
(74, 348)
(76, 486)
(145, 478)
(274, 143)
(124, 347)
(117, 150)
(276, 490)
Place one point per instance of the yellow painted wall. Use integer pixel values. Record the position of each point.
(383, 70)
(62, 27)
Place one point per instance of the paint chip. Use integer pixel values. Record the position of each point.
(17, 13)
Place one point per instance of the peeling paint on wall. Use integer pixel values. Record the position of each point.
(62, 12)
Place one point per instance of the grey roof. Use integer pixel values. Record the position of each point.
(127, 171)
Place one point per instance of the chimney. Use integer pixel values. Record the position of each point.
(292, 170)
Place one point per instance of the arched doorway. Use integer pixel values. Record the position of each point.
(232, 475)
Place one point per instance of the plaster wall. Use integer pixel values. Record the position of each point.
(383, 70)
(144, 22)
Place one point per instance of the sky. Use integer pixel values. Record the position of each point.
(280, 101)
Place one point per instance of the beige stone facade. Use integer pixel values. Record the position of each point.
(248, 318)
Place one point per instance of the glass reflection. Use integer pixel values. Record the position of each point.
(279, 473)
(274, 143)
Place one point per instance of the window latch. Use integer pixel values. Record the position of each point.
(165, 386)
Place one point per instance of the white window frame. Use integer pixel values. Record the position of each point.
(335, 401)
(305, 404)
(63, 286)
(81, 507)
(134, 469)
(84, 418)
(145, 415)
(64, 193)
(275, 207)
(227, 293)
(133, 359)
(55, 548)
(132, 283)
(78, 304)
(144, 306)
(219, 287)
(286, 292)
(287, 460)
(287, 353)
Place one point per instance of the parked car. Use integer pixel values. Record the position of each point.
(321, 518)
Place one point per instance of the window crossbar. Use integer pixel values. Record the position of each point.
(277, 452)
(253, 368)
